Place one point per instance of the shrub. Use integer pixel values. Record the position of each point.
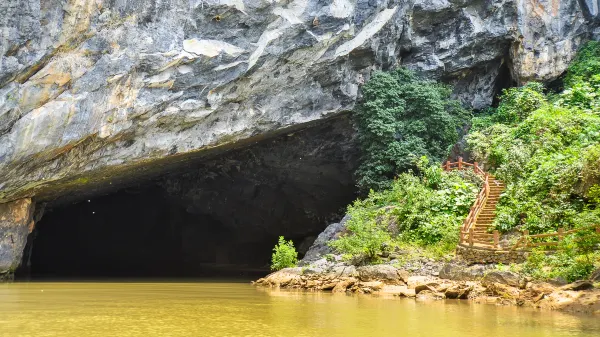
(284, 255)
(518, 103)
(548, 153)
(424, 211)
(403, 118)
(585, 65)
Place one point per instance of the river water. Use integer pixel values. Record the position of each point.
(239, 309)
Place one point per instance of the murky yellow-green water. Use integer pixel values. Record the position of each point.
(237, 309)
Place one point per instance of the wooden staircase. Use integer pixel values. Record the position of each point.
(477, 229)
(483, 229)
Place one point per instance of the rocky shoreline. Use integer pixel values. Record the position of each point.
(477, 283)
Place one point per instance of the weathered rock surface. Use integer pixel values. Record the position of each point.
(578, 286)
(320, 247)
(382, 272)
(461, 272)
(16, 222)
(101, 92)
(577, 297)
(505, 277)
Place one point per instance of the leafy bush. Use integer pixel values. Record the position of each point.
(284, 255)
(585, 65)
(548, 153)
(403, 118)
(424, 211)
(570, 262)
(518, 103)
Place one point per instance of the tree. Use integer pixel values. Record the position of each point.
(401, 119)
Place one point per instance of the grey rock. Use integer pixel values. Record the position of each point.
(381, 272)
(118, 90)
(343, 271)
(503, 277)
(317, 267)
(461, 272)
(321, 247)
(595, 277)
(16, 222)
(578, 286)
(558, 281)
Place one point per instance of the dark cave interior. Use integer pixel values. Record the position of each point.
(218, 217)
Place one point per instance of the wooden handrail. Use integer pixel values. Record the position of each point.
(525, 240)
(467, 230)
(471, 219)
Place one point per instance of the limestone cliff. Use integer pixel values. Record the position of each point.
(90, 89)
(98, 92)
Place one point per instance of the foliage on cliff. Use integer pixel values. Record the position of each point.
(424, 210)
(547, 149)
(401, 119)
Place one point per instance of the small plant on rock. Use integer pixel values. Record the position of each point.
(284, 255)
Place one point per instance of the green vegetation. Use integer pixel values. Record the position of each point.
(545, 146)
(284, 255)
(423, 210)
(401, 119)
(547, 149)
(573, 261)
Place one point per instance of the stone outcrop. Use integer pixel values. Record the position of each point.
(16, 222)
(104, 92)
(498, 287)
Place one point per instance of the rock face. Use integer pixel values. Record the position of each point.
(94, 92)
(16, 222)
(320, 247)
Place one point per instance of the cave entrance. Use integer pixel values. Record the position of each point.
(219, 217)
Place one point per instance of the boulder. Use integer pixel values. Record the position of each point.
(343, 285)
(504, 277)
(578, 286)
(558, 281)
(287, 277)
(538, 288)
(503, 291)
(414, 281)
(428, 295)
(320, 246)
(342, 271)
(369, 287)
(317, 267)
(16, 222)
(381, 272)
(462, 272)
(458, 291)
(595, 277)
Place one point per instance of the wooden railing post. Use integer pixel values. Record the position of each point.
(460, 163)
(471, 232)
(496, 238)
(475, 168)
(526, 238)
(447, 168)
(561, 234)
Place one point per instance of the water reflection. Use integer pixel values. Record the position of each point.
(234, 309)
